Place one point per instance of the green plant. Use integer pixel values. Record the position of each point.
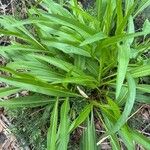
(68, 55)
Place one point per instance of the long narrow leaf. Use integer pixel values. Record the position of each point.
(123, 60)
(82, 116)
(140, 71)
(89, 136)
(28, 101)
(52, 131)
(8, 91)
(140, 139)
(128, 106)
(37, 86)
(64, 126)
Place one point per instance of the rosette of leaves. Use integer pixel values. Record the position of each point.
(66, 55)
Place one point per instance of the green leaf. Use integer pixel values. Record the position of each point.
(101, 8)
(70, 22)
(92, 67)
(52, 131)
(8, 91)
(27, 101)
(94, 38)
(124, 21)
(82, 80)
(79, 62)
(119, 12)
(128, 106)
(121, 37)
(55, 8)
(98, 8)
(123, 96)
(82, 116)
(32, 84)
(123, 60)
(143, 87)
(66, 66)
(61, 32)
(143, 4)
(84, 15)
(146, 26)
(67, 48)
(108, 16)
(20, 47)
(140, 71)
(88, 141)
(115, 143)
(37, 69)
(13, 33)
(131, 29)
(140, 139)
(125, 134)
(64, 126)
(142, 98)
(20, 31)
(128, 4)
